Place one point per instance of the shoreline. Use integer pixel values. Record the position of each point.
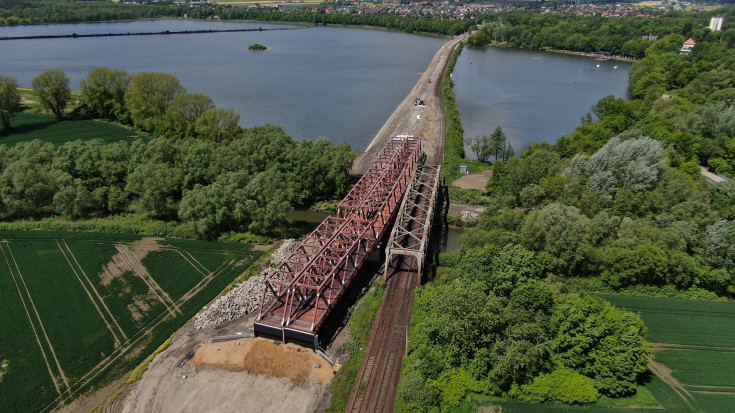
(595, 55)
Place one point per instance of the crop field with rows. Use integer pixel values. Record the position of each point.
(80, 309)
(694, 351)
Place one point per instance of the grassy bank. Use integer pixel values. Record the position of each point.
(453, 144)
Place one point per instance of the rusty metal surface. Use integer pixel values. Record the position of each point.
(300, 293)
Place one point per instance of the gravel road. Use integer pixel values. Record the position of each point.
(426, 122)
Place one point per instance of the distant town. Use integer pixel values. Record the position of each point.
(458, 11)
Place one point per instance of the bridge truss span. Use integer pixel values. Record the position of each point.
(303, 289)
(410, 236)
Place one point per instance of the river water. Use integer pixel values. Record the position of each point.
(341, 83)
(534, 96)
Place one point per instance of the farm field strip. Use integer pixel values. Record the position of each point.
(35, 310)
(694, 348)
(90, 314)
(33, 325)
(204, 281)
(684, 347)
(121, 351)
(89, 286)
(194, 263)
(141, 272)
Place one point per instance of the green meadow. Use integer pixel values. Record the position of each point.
(27, 126)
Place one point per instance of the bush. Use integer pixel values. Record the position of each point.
(720, 166)
(564, 385)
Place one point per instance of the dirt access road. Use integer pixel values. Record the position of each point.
(426, 122)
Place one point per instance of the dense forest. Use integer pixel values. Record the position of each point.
(621, 200)
(200, 168)
(16, 12)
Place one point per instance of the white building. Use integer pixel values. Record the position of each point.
(715, 23)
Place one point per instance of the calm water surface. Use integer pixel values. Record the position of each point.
(341, 83)
(534, 96)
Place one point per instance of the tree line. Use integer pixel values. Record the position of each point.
(622, 36)
(201, 168)
(19, 12)
(619, 205)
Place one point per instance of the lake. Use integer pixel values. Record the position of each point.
(337, 82)
(341, 83)
(533, 95)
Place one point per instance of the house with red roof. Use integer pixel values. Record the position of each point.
(688, 46)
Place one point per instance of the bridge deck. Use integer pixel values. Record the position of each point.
(411, 232)
(300, 293)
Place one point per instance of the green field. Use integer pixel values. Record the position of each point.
(694, 339)
(82, 308)
(27, 126)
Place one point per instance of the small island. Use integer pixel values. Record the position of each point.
(257, 46)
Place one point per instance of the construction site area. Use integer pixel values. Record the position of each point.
(273, 342)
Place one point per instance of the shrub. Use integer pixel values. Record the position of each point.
(564, 385)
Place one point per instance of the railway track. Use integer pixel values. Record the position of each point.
(377, 380)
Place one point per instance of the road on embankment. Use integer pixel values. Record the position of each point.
(426, 122)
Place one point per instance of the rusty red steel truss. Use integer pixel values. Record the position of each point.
(300, 293)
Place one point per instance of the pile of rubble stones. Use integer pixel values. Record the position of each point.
(245, 297)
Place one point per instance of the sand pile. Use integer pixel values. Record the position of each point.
(262, 356)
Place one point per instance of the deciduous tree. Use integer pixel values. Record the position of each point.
(52, 89)
(149, 97)
(103, 93)
(9, 99)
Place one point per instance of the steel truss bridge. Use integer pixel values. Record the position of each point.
(376, 384)
(305, 287)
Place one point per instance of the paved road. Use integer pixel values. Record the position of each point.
(426, 122)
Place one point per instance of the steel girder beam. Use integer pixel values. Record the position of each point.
(410, 235)
(299, 294)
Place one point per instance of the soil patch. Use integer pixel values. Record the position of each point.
(118, 266)
(474, 181)
(664, 373)
(262, 356)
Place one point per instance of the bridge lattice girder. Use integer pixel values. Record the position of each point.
(303, 289)
(411, 232)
